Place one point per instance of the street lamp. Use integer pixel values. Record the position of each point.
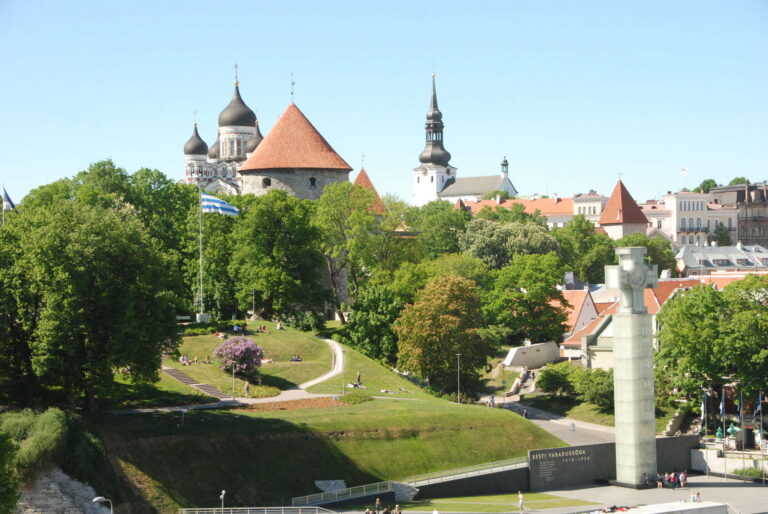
(458, 378)
(183, 412)
(223, 492)
(100, 499)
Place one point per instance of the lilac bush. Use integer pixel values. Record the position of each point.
(240, 352)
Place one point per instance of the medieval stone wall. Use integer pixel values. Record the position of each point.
(297, 182)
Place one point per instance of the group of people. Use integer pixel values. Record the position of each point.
(377, 509)
(672, 480)
(185, 360)
(296, 358)
(262, 329)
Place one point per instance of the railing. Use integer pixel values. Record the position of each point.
(343, 494)
(480, 469)
(257, 510)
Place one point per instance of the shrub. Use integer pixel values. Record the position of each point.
(241, 353)
(45, 442)
(749, 472)
(306, 321)
(596, 387)
(557, 378)
(8, 479)
(355, 397)
(18, 424)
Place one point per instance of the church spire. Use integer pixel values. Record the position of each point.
(434, 152)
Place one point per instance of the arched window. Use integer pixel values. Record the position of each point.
(690, 239)
(432, 178)
(730, 223)
(690, 223)
(682, 223)
(231, 148)
(312, 183)
(699, 226)
(682, 239)
(266, 182)
(417, 180)
(698, 241)
(199, 170)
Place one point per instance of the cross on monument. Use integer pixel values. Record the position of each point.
(630, 277)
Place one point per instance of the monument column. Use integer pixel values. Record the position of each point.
(634, 398)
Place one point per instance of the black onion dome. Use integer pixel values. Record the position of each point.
(237, 113)
(251, 144)
(195, 145)
(435, 154)
(213, 153)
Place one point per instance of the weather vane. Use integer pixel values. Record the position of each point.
(362, 161)
(292, 84)
(236, 81)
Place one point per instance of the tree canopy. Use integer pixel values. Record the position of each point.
(706, 185)
(584, 251)
(439, 227)
(496, 243)
(659, 249)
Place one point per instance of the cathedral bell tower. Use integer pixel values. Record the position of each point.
(435, 172)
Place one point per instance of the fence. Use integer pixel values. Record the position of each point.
(342, 494)
(257, 510)
(452, 474)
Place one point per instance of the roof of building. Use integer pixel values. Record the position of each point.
(364, 181)
(434, 151)
(237, 113)
(591, 195)
(738, 256)
(576, 299)
(621, 208)
(195, 145)
(255, 141)
(294, 143)
(472, 185)
(545, 206)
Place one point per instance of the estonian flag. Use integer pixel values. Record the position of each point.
(759, 408)
(210, 203)
(8, 204)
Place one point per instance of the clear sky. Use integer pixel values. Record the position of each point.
(572, 93)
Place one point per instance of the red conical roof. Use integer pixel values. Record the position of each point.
(621, 208)
(364, 181)
(294, 143)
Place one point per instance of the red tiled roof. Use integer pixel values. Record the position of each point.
(666, 287)
(601, 306)
(546, 206)
(576, 298)
(294, 143)
(622, 208)
(364, 181)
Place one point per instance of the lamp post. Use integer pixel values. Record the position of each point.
(233, 380)
(223, 492)
(183, 412)
(100, 499)
(458, 378)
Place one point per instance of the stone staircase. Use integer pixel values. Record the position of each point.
(203, 388)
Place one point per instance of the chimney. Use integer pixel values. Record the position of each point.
(554, 196)
(498, 199)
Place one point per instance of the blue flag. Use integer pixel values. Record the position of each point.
(722, 403)
(758, 408)
(741, 405)
(8, 204)
(210, 203)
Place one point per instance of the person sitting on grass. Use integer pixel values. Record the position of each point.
(208, 359)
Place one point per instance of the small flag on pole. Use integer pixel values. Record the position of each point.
(684, 171)
(758, 408)
(703, 412)
(8, 204)
(722, 403)
(210, 203)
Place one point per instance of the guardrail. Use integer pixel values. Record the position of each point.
(480, 469)
(343, 494)
(257, 510)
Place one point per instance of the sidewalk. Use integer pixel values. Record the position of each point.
(571, 431)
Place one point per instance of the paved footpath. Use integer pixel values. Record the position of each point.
(571, 431)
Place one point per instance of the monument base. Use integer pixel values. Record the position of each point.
(202, 317)
(647, 485)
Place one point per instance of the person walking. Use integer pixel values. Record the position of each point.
(247, 389)
(520, 503)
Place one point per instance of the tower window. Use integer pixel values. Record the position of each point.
(418, 179)
(432, 178)
(312, 183)
(231, 148)
(266, 182)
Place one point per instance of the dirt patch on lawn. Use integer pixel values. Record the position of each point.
(311, 403)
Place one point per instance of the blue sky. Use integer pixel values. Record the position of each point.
(572, 93)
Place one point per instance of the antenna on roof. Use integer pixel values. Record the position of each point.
(292, 84)
(236, 81)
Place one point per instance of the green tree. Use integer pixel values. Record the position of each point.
(8, 480)
(276, 257)
(514, 214)
(443, 321)
(722, 236)
(557, 378)
(389, 249)
(370, 328)
(596, 387)
(439, 227)
(410, 278)
(738, 180)
(91, 293)
(585, 251)
(705, 186)
(659, 249)
(497, 243)
(524, 298)
(744, 349)
(346, 223)
(492, 195)
(690, 336)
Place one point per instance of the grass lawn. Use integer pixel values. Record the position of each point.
(166, 391)
(278, 345)
(498, 380)
(492, 503)
(265, 458)
(582, 411)
(374, 377)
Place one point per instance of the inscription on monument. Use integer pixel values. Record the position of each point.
(563, 466)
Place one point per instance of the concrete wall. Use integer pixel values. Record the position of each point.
(508, 481)
(555, 468)
(294, 181)
(534, 355)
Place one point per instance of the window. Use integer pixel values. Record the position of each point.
(231, 148)
(690, 240)
(658, 224)
(698, 241)
(266, 182)
(417, 180)
(313, 183)
(432, 178)
(698, 224)
(682, 223)
(730, 224)
(690, 223)
(682, 240)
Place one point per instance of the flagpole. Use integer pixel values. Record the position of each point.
(706, 426)
(762, 457)
(202, 303)
(741, 426)
(722, 414)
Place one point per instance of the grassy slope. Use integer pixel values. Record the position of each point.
(582, 411)
(493, 503)
(277, 345)
(266, 458)
(374, 377)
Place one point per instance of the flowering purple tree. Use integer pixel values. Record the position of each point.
(240, 352)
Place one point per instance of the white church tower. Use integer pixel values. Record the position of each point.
(435, 173)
